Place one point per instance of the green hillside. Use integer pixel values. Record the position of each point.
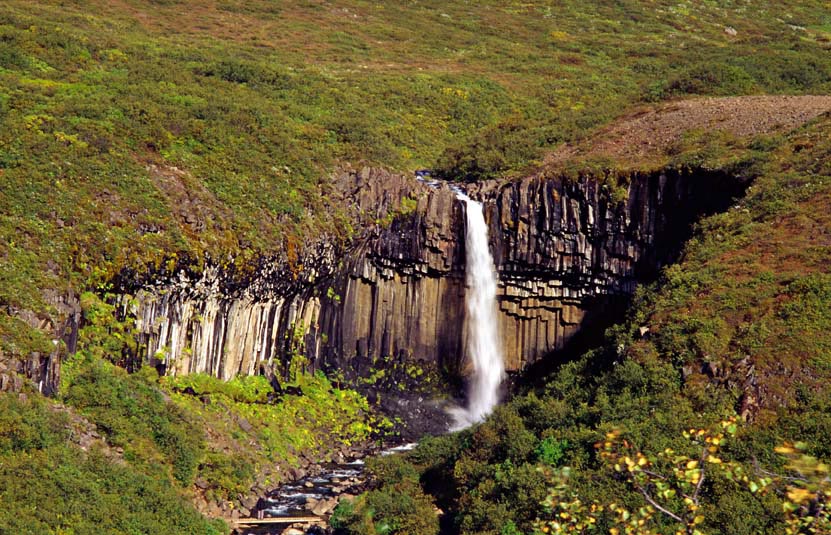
(255, 102)
(151, 134)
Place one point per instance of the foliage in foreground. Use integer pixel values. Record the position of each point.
(401, 507)
(673, 485)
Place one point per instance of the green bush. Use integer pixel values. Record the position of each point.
(551, 451)
(134, 415)
(29, 425)
(228, 474)
(50, 486)
(712, 78)
(491, 153)
(400, 509)
(243, 389)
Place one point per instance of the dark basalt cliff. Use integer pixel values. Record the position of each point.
(567, 253)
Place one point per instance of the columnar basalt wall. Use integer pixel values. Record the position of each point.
(562, 248)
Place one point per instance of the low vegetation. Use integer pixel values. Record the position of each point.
(48, 485)
(307, 425)
(685, 419)
(148, 135)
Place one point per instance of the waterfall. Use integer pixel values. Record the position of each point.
(483, 346)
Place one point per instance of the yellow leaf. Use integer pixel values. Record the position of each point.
(798, 495)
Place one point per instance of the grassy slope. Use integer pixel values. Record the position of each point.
(754, 286)
(254, 104)
(48, 485)
(256, 101)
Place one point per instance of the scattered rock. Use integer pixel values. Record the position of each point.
(245, 425)
(324, 507)
(249, 501)
(297, 473)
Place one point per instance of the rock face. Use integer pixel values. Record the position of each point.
(43, 369)
(564, 250)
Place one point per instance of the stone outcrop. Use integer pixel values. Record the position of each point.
(42, 369)
(563, 249)
(566, 250)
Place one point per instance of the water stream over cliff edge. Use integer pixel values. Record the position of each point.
(482, 344)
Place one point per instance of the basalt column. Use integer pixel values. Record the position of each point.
(563, 250)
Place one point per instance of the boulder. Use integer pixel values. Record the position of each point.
(324, 507)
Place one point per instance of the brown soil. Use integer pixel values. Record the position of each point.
(646, 135)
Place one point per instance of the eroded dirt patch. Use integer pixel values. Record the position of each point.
(646, 135)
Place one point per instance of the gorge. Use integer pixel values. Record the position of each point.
(568, 253)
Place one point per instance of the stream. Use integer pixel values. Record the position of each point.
(316, 495)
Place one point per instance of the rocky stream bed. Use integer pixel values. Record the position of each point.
(312, 497)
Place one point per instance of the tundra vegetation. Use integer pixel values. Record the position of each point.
(147, 134)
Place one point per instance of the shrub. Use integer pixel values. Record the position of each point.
(134, 415)
(49, 485)
(551, 451)
(400, 509)
(491, 153)
(712, 78)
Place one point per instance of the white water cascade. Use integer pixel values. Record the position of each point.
(483, 347)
